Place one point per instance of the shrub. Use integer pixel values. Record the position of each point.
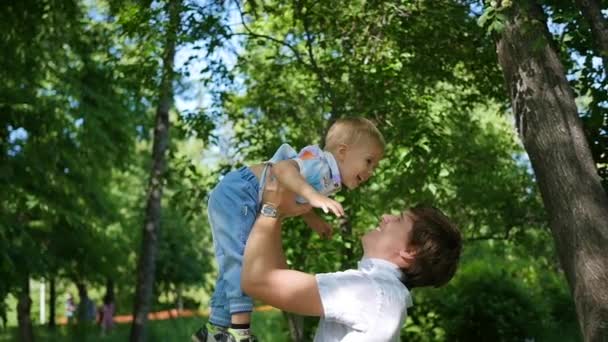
(483, 303)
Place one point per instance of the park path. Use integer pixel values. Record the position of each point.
(169, 314)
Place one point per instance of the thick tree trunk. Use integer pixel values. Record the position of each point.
(24, 305)
(592, 11)
(552, 134)
(146, 267)
(52, 303)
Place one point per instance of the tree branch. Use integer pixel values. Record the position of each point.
(252, 34)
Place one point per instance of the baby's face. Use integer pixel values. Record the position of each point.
(357, 162)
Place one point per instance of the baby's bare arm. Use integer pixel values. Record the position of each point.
(288, 174)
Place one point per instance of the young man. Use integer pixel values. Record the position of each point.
(418, 247)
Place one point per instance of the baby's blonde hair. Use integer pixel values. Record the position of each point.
(350, 131)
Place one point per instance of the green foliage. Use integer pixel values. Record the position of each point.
(183, 258)
(496, 306)
(60, 142)
(495, 301)
(580, 54)
(495, 16)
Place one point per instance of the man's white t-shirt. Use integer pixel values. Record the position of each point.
(367, 304)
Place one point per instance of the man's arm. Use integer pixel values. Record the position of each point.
(264, 278)
(264, 275)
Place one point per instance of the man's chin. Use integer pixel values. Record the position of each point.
(364, 238)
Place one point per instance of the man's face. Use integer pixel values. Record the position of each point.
(392, 236)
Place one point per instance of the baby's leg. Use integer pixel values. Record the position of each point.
(233, 211)
(220, 314)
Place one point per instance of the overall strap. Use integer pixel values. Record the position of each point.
(267, 166)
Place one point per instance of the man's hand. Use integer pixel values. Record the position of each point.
(282, 199)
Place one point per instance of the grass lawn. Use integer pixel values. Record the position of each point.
(268, 326)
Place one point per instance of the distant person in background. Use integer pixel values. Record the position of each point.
(107, 313)
(86, 307)
(70, 308)
(91, 312)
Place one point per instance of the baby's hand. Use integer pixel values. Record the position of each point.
(321, 227)
(326, 204)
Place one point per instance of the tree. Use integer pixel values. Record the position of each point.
(26, 333)
(552, 133)
(147, 259)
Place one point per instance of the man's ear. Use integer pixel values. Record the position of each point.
(407, 257)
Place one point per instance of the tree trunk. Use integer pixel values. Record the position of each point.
(179, 305)
(592, 11)
(82, 300)
(296, 326)
(147, 260)
(110, 288)
(551, 131)
(26, 332)
(52, 303)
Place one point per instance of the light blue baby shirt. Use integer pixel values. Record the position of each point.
(319, 168)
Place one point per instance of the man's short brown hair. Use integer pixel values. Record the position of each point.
(350, 131)
(438, 245)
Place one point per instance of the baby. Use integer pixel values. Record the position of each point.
(353, 148)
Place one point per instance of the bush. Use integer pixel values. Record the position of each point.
(483, 303)
(487, 303)
(563, 324)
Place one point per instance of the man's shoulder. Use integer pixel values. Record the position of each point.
(353, 274)
(349, 279)
(374, 307)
